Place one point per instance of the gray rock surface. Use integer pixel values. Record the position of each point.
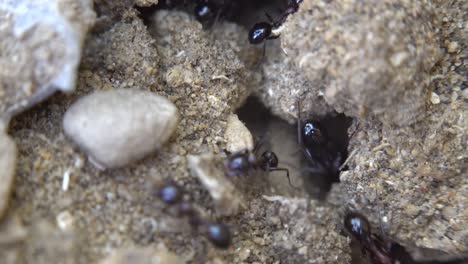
(8, 155)
(117, 127)
(370, 58)
(41, 45)
(285, 84)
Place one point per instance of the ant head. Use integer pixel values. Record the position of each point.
(239, 163)
(259, 32)
(269, 160)
(219, 235)
(357, 225)
(311, 133)
(170, 193)
(205, 11)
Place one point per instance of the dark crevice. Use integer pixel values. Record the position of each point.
(257, 118)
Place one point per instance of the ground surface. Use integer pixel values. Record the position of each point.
(412, 179)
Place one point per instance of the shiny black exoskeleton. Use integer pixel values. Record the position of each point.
(379, 250)
(323, 154)
(260, 32)
(266, 30)
(170, 194)
(357, 225)
(217, 233)
(241, 162)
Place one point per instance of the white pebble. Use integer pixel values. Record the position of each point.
(435, 99)
(118, 127)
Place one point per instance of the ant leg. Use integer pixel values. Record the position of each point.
(264, 50)
(287, 175)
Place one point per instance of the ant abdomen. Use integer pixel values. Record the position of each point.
(357, 225)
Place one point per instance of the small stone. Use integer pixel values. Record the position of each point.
(237, 135)
(117, 127)
(398, 58)
(223, 192)
(452, 47)
(41, 43)
(465, 93)
(8, 155)
(64, 220)
(302, 250)
(435, 99)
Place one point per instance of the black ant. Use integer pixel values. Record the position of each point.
(324, 157)
(360, 229)
(379, 250)
(217, 233)
(241, 162)
(271, 30)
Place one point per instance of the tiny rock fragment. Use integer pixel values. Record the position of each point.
(41, 43)
(118, 127)
(435, 99)
(64, 220)
(159, 255)
(237, 135)
(223, 192)
(452, 47)
(8, 155)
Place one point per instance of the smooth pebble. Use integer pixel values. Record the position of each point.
(118, 127)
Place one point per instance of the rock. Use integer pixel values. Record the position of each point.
(237, 135)
(285, 84)
(8, 155)
(367, 58)
(223, 192)
(160, 255)
(118, 127)
(41, 45)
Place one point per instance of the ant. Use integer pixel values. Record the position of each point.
(271, 30)
(383, 251)
(217, 233)
(323, 156)
(360, 229)
(241, 162)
